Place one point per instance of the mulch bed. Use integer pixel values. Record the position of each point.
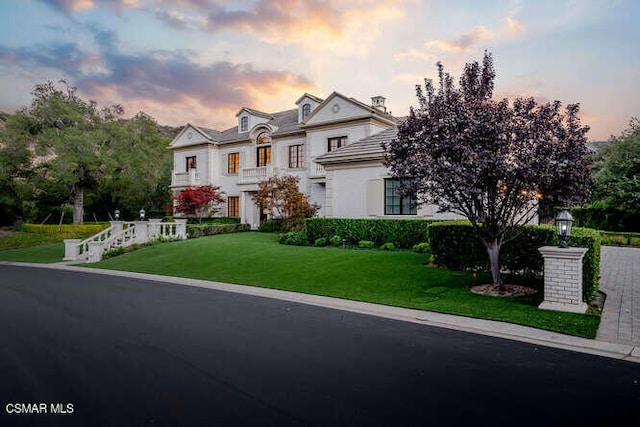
(509, 290)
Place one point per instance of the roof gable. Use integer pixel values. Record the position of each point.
(338, 107)
(193, 135)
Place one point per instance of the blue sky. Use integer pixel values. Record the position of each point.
(200, 61)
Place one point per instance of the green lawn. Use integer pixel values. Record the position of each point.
(391, 278)
(41, 253)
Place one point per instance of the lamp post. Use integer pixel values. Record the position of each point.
(564, 221)
(116, 215)
(142, 214)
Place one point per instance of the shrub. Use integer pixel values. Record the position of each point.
(389, 246)
(194, 230)
(455, 246)
(335, 240)
(422, 248)
(404, 233)
(271, 225)
(366, 244)
(216, 220)
(295, 238)
(322, 241)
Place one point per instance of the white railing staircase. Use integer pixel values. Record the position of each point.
(122, 234)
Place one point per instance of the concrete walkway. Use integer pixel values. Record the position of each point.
(620, 280)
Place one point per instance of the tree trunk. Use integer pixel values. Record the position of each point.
(493, 249)
(78, 205)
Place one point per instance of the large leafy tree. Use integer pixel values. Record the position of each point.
(618, 177)
(73, 140)
(141, 175)
(282, 199)
(487, 160)
(63, 149)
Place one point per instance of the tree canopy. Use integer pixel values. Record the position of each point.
(618, 176)
(487, 160)
(63, 149)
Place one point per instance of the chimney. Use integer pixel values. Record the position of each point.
(377, 102)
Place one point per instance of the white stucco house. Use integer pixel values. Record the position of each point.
(333, 145)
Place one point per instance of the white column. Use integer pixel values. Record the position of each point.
(142, 233)
(95, 251)
(71, 249)
(154, 228)
(181, 228)
(563, 279)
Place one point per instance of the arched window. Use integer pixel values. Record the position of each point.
(263, 152)
(244, 124)
(306, 109)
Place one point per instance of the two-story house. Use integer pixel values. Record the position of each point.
(333, 145)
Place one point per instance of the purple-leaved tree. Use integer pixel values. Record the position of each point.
(490, 161)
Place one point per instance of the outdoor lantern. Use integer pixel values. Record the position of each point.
(564, 221)
(116, 214)
(141, 214)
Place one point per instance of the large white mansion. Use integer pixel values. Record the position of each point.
(333, 145)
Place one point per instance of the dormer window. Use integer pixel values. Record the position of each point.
(306, 110)
(244, 124)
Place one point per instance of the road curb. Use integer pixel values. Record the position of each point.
(628, 352)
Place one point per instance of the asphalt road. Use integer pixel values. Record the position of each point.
(131, 352)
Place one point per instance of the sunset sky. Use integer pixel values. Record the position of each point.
(200, 61)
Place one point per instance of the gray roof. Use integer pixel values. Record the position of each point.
(369, 148)
(284, 121)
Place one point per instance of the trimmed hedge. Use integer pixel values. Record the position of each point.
(216, 220)
(66, 231)
(606, 218)
(195, 230)
(271, 225)
(403, 233)
(455, 246)
(611, 238)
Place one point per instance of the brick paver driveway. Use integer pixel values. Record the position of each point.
(620, 280)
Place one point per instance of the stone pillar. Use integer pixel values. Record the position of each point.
(117, 227)
(154, 228)
(141, 232)
(71, 249)
(563, 279)
(95, 251)
(181, 228)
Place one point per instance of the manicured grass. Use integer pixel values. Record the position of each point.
(391, 278)
(20, 239)
(42, 253)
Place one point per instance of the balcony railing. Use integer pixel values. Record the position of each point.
(317, 170)
(187, 179)
(253, 175)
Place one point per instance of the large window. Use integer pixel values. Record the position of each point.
(264, 156)
(263, 153)
(244, 124)
(336, 142)
(296, 156)
(233, 206)
(191, 163)
(233, 163)
(394, 203)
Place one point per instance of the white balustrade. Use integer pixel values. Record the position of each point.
(122, 234)
(186, 179)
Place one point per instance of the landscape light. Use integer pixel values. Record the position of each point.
(141, 214)
(564, 221)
